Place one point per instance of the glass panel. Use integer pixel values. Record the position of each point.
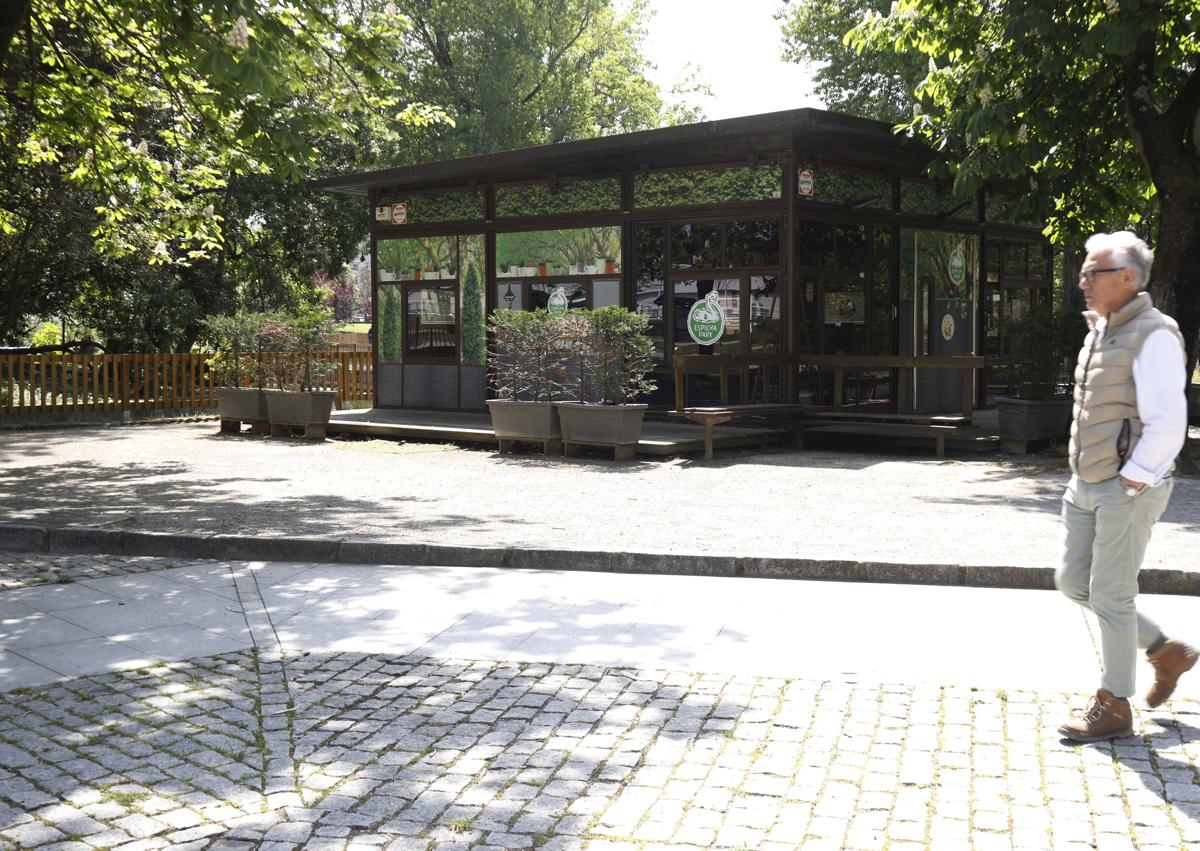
(766, 328)
(389, 324)
(688, 293)
(815, 244)
(424, 259)
(574, 196)
(708, 186)
(509, 296)
(844, 313)
(752, 244)
(1013, 210)
(924, 198)
(696, 247)
(650, 292)
(881, 293)
(807, 293)
(1037, 262)
(606, 292)
(993, 261)
(576, 251)
(436, 207)
(474, 329)
(851, 247)
(648, 252)
(1014, 260)
(831, 186)
(431, 329)
(539, 294)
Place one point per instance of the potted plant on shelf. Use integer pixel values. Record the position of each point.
(237, 341)
(1043, 345)
(303, 339)
(527, 369)
(610, 361)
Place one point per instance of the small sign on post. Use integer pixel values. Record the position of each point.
(805, 182)
(399, 214)
(384, 213)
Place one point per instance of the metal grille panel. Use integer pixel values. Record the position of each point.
(428, 386)
(391, 378)
(474, 387)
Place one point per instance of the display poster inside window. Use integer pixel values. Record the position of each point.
(399, 214)
(706, 320)
(957, 266)
(556, 305)
(845, 308)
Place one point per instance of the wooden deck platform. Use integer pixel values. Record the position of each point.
(658, 437)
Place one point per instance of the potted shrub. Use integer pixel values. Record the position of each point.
(303, 339)
(237, 341)
(1043, 346)
(610, 361)
(527, 377)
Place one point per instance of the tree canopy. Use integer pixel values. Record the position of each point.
(872, 82)
(152, 154)
(1092, 104)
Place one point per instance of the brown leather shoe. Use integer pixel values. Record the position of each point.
(1171, 661)
(1105, 717)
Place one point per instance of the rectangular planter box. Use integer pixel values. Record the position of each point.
(287, 408)
(618, 426)
(237, 405)
(530, 422)
(1027, 419)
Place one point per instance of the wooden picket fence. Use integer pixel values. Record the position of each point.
(32, 384)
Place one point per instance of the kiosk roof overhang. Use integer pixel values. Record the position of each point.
(814, 133)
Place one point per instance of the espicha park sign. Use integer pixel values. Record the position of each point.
(706, 320)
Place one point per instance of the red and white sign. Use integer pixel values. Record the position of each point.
(399, 214)
(804, 182)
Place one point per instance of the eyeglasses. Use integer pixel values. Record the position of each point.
(1089, 275)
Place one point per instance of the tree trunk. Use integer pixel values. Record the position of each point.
(1175, 281)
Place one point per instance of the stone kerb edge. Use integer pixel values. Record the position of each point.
(78, 539)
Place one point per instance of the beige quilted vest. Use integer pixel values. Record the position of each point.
(1104, 425)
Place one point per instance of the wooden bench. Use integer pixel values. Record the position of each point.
(890, 425)
(713, 416)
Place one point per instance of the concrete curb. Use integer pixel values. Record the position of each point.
(87, 540)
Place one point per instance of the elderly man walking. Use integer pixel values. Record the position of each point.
(1129, 423)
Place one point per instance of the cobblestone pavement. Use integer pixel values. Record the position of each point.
(364, 751)
(24, 570)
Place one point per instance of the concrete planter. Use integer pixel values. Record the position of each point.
(525, 422)
(237, 405)
(616, 426)
(288, 409)
(1023, 420)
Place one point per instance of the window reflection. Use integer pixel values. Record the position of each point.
(696, 247)
(430, 329)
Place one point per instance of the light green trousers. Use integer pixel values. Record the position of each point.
(1106, 539)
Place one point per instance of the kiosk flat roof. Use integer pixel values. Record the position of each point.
(813, 133)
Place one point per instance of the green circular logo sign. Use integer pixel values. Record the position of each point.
(958, 265)
(557, 303)
(706, 320)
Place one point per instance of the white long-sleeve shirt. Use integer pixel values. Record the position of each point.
(1160, 375)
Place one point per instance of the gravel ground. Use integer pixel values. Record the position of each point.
(845, 504)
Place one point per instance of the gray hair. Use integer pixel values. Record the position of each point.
(1128, 250)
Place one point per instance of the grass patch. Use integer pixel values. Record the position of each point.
(461, 825)
(125, 799)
